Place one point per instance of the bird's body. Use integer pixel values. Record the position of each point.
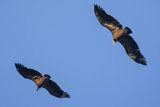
(39, 81)
(42, 81)
(120, 34)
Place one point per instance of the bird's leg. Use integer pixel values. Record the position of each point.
(38, 88)
(114, 42)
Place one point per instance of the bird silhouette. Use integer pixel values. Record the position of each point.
(41, 81)
(120, 34)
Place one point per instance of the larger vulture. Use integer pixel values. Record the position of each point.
(120, 34)
(41, 81)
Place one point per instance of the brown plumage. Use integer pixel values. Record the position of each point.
(41, 81)
(120, 34)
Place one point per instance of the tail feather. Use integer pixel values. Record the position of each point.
(129, 31)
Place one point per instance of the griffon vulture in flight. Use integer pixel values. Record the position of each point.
(120, 34)
(41, 81)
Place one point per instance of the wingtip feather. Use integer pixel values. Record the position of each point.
(138, 58)
(143, 61)
(18, 66)
(97, 8)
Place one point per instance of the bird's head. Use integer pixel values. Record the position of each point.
(48, 76)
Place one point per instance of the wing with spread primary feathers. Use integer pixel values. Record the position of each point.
(26, 72)
(132, 49)
(106, 20)
(53, 88)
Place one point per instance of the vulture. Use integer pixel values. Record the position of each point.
(120, 34)
(41, 81)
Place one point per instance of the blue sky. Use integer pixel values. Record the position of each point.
(64, 39)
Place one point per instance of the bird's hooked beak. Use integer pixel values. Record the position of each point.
(114, 42)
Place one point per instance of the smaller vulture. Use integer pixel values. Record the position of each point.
(120, 34)
(41, 81)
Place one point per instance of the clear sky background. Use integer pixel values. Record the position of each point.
(64, 39)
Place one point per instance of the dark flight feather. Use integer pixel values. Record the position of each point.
(53, 88)
(106, 20)
(132, 49)
(26, 72)
(128, 43)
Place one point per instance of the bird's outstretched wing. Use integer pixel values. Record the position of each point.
(132, 49)
(53, 88)
(26, 72)
(106, 20)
